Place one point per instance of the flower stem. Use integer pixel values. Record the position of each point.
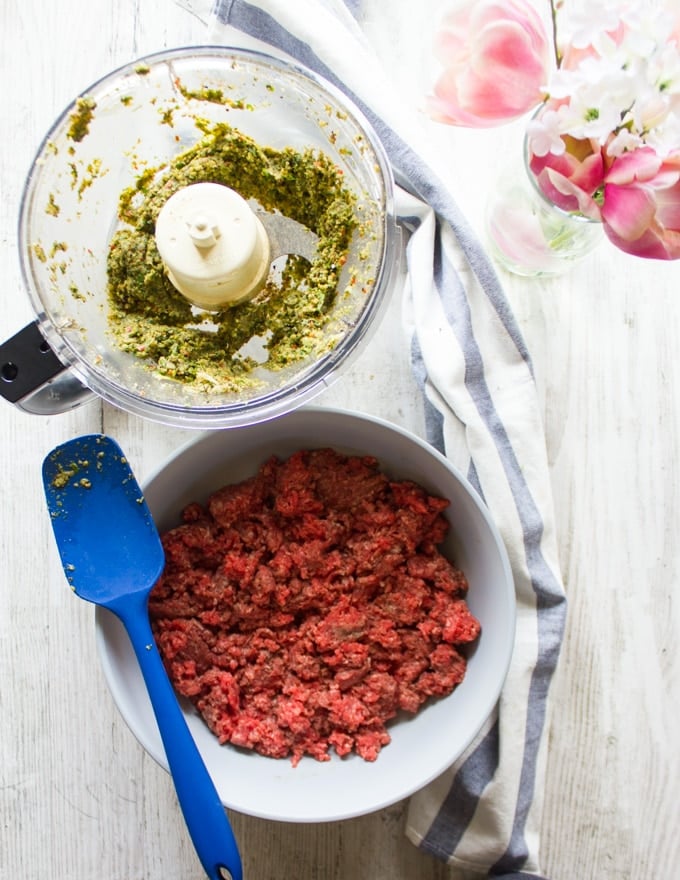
(554, 5)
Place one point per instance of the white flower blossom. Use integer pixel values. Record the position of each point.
(544, 134)
(664, 69)
(665, 139)
(620, 84)
(622, 142)
(588, 24)
(649, 110)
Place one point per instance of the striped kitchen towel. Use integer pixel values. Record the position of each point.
(481, 816)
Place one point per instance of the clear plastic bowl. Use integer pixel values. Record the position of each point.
(70, 203)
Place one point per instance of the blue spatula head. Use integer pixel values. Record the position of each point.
(106, 537)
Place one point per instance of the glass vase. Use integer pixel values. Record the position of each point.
(528, 234)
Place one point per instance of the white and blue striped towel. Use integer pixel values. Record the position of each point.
(482, 816)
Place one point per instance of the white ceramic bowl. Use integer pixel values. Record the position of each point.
(422, 746)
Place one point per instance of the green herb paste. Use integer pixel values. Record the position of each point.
(211, 351)
(81, 118)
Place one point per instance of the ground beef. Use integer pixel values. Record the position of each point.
(302, 609)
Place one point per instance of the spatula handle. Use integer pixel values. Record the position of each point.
(203, 811)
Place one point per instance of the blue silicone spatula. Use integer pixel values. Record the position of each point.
(112, 556)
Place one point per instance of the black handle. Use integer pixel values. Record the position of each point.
(28, 368)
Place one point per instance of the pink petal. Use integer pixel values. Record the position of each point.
(450, 114)
(589, 174)
(649, 245)
(549, 182)
(573, 197)
(672, 242)
(641, 164)
(508, 46)
(484, 11)
(491, 99)
(518, 234)
(628, 210)
(449, 45)
(668, 207)
(447, 106)
(564, 164)
(503, 56)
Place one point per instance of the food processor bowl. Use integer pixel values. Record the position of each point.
(125, 131)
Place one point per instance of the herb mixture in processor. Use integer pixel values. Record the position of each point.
(285, 320)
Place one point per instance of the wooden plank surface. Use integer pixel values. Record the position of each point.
(79, 798)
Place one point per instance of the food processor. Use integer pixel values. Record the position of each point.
(121, 136)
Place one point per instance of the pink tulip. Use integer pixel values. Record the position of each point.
(571, 180)
(495, 55)
(636, 195)
(641, 209)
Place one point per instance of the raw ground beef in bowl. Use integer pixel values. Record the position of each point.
(302, 609)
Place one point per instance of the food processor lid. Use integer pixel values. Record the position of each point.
(121, 135)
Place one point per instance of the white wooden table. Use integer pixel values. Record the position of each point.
(80, 799)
